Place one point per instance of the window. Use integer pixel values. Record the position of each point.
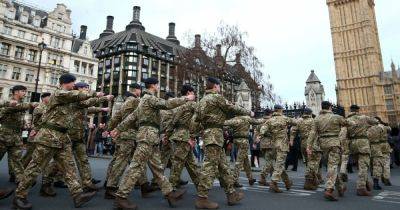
(85, 50)
(389, 104)
(84, 68)
(1, 92)
(36, 22)
(91, 69)
(32, 55)
(34, 37)
(29, 76)
(21, 34)
(55, 42)
(5, 48)
(53, 79)
(3, 70)
(388, 89)
(54, 59)
(76, 66)
(28, 96)
(19, 52)
(16, 73)
(58, 28)
(7, 30)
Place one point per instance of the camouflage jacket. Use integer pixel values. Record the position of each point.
(327, 130)
(277, 127)
(378, 137)
(265, 138)
(240, 126)
(130, 105)
(179, 130)
(303, 128)
(166, 117)
(211, 113)
(357, 133)
(79, 112)
(12, 123)
(37, 118)
(147, 115)
(57, 119)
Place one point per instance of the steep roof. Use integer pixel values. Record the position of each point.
(313, 78)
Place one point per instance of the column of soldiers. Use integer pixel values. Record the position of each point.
(148, 131)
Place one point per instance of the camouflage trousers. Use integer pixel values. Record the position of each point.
(41, 157)
(183, 157)
(122, 156)
(343, 163)
(167, 151)
(14, 159)
(242, 160)
(145, 153)
(333, 161)
(214, 166)
(269, 156)
(312, 168)
(279, 167)
(378, 167)
(112, 162)
(363, 166)
(30, 147)
(386, 168)
(82, 161)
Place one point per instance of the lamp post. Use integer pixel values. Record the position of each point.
(35, 95)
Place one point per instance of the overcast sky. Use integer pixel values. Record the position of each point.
(291, 36)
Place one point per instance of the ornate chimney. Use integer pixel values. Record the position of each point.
(83, 32)
(171, 34)
(135, 23)
(197, 41)
(109, 28)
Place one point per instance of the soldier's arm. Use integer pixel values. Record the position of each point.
(160, 103)
(92, 102)
(229, 108)
(94, 110)
(312, 137)
(118, 116)
(232, 122)
(72, 96)
(344, 140)
(20, 107)
(128, 122)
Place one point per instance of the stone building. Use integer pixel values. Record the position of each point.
(132, 55)
(360, 74)
(22, 28)
(314, 93)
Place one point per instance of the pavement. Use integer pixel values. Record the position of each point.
(256, 197)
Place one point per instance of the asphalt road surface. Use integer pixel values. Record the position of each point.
(256, 197)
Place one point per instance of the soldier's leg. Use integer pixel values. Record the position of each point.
(154, 162)
(166, 152)
(15, 155)
(363, 165)
(111, 164)
(208, 170)
(343, 164)
(121, 157)
(224, 173)
(40, 157)
(178, 162)
(333, 163)
(65, 158)
(11, 171)
(28, 155)
(136, 168)
(82, 161)
(191, 168)
(386, 167)
(242, 161)
(377, 167)
(279, 166)
(246, 162)
(48, 173)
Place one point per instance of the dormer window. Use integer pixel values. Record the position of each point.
(33, 13)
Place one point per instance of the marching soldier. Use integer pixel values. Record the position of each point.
(325, 135)
(125, 146)
(377, 136)
(180, 134)
(268, 151)
(167, 149)
(359, 145)
(241, 126)
(211, 113)
(147, 115)
(277, 126)
(53, 143)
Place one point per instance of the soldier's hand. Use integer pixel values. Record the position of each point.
(192, 143)
(99, 94)
(190, 97)
(106, 109)
(110, 97)
(34, 105)
(105, 134)
(114, 133)
(32, 133)
(13, 103)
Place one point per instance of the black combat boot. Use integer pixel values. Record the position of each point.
(376, 185)
(110, 193)
(95, 181)
(60, 184)
(21, 203)
(146, 189)
(237, 185)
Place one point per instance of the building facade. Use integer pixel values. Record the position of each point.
(22, 28)
(132, 55)
(360, 74)
(314, 93)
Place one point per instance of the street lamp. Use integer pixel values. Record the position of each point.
(35, 95)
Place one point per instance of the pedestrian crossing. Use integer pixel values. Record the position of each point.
(388, 197)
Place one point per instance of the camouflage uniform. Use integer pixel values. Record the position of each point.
(211, 113)
(147, 115)
(52, 142)
(267, 146)
(183, 155)
(359, 144)
(277, 126)
(167, 150)
(12, 122)
(303, 127)
(125, 144)
(377, 136)
(386, 150)
(325, 135)
(241, 126)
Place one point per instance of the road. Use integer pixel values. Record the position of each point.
(256, 197)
